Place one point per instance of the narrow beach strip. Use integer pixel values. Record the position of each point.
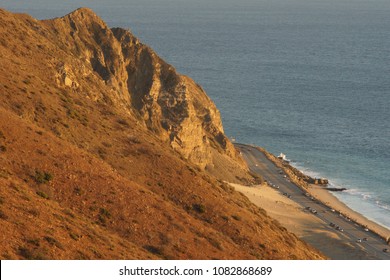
(310, 211)
(326, 197)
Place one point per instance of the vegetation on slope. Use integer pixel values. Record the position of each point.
(88, 169)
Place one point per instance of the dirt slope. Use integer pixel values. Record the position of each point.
(102, 151)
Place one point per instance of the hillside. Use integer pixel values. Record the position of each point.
(106, 152)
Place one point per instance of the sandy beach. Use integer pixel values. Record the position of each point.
(308, 226)
(330, 200)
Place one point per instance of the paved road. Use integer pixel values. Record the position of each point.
(260, 164)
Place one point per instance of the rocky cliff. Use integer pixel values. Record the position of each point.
(102, 146)
(171, 105)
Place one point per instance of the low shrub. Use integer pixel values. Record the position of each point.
(42, 194)
(42, 177)
(200, 208)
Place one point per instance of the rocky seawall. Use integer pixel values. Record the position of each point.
(296, 176)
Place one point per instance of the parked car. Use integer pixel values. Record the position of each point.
(339, 228)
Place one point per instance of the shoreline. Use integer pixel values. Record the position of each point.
(326, 197)
(310, 211)
(303, 224)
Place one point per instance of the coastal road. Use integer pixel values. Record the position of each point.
(370, 244)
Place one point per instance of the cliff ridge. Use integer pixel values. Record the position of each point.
(102, 146)
(171, 105)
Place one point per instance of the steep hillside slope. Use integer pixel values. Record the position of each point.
(102, 150)
(171, 105)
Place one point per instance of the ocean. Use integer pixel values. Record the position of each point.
(310, 79)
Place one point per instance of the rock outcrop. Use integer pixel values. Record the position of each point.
(171, 105)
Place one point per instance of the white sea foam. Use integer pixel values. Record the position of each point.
(382, 205)
(365, 202)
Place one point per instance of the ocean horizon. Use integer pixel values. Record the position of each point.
(309, 79)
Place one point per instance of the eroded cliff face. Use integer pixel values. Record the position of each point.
(171, 105)
(88, 119)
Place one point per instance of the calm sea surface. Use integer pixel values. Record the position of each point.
(310, 79)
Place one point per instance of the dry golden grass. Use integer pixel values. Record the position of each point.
(82, 177)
